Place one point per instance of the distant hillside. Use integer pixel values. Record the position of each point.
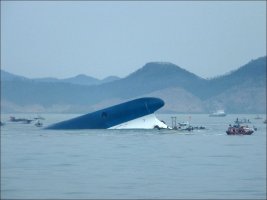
(246, 97)
(6, 76)
(157, 76)
(109, 79)
(253, 73)
(80, 79)
(241, 91)
(178, 100)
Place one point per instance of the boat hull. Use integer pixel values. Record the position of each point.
(246, 133)
(113, 116)
(239, 131)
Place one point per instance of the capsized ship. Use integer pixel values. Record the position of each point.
(135, 114)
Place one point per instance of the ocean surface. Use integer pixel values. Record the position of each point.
(133, 164)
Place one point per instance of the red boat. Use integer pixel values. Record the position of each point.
(239, 130)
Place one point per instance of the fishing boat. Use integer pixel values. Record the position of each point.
(240, 129)
(218, 113)
(183, 126)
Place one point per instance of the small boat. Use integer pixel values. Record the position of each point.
(23, 120)
(26, 121)
(14, 119)
(241, 121)
(240, 129)
(38, 124)
(258, 117)
(218, 113)
(183, 126)
(199, 127)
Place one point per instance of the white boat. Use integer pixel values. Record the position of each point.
(218, 113)
(184, 126)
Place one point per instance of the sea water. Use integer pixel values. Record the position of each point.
(133, 164)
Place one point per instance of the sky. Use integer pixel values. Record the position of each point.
(102, 38)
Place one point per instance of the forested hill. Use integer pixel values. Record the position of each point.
(242, 91)
(253, 74)
(80, 79)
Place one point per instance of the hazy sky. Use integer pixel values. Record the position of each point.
(66, 38)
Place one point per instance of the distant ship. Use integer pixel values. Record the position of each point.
(218, 113)
(135, 114)
(258, 117)
(23, 120)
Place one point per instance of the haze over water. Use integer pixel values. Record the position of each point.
(103, 38)
(89, 164)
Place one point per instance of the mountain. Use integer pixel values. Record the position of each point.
(252, 73)
(240, 91)
(6, 76)
(80, 79)
(247, 97)
(109, 79)
(157, 75)
(151, 77)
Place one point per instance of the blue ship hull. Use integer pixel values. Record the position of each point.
(112, 116)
